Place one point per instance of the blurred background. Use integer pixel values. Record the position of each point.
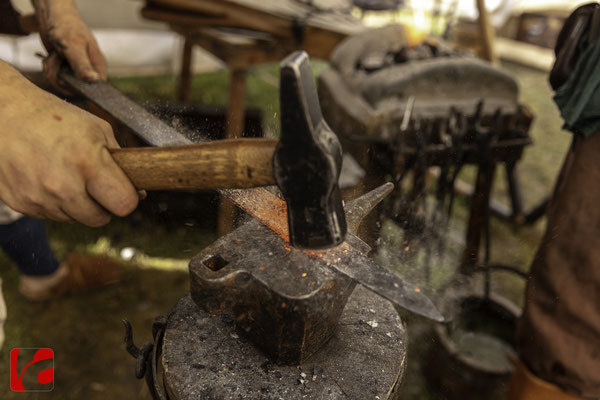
(147, 60)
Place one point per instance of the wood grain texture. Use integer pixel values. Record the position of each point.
(358, 362)
(223, 164)
(184, 88)
(487, 32)
(321, 33)
(277, 12)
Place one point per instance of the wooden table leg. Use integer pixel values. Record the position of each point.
(487, 32)
(184, 89)
(234, 125)
(234, 128)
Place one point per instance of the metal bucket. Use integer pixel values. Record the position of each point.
(472, 354)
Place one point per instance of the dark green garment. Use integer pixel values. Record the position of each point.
(579, 98)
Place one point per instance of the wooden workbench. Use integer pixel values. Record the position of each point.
(243, 33)
(291, 23)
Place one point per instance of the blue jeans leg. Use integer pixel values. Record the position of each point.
(26, 243)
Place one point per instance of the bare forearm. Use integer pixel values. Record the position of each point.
(15, 92)
(49, 8)
(66, 37)
(51, 12)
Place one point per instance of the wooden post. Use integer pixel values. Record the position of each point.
(185, 75)
(234, 128)
(234, 125)
(487, 33)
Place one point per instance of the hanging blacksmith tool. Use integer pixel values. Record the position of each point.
(305, 163)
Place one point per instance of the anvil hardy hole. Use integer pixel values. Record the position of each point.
(215, 262)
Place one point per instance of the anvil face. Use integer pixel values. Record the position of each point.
(287, 302)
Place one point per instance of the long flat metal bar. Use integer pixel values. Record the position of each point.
(271, 211)
(378, 279)
(148, 127)
(145, 125)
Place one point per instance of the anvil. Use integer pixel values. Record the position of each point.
(287, 300)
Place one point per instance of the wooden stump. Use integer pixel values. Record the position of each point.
(204, 356)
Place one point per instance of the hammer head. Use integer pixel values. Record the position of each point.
(308, 161)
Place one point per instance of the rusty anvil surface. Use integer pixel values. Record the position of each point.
(288, 301)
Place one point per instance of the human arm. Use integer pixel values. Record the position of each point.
(66, 36)
(55, 161)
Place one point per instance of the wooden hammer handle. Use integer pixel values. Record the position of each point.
(222, 164)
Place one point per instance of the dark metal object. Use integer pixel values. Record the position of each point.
(378, 5)
(308, 160)
(367, 94)
(502, 268)
(473, 350)
(270, 211)
(146, 126)
(466, 376)
(147, 356)
(538, 212)
(514, 187)
(286, 300)
(206, 357)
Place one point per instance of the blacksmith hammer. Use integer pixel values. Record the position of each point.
(305, 163)
(306, 166)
